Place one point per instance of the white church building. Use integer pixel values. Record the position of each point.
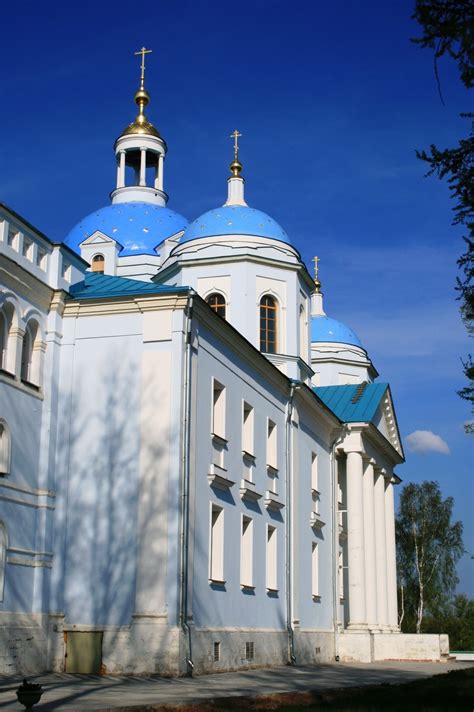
(197, 464)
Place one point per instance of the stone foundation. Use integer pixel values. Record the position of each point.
(371, 647)
(23, 644)
(33, 644)
(313, 647)
(270, 648)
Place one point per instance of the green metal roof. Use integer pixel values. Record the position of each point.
(353, 403)
(99, 286)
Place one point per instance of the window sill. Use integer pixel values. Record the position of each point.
(7, 374)
(23, 386)
(247, 587)
(315, 521)
(272, 471)
(33, 386)
(247, 456)
(315, 491)
(219, 439)
(272, 501)
(217, 478)
(248, 491)
(316, 597)
(272, 590)
(217, 582)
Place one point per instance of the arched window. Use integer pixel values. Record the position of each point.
(217, 302)
(29, 359)
(5, 448)
(268, 324)
(98, 263)
(6, 318)
(3, 557)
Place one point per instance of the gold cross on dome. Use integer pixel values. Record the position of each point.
(236, 135)
(143, 51)
(316, 267)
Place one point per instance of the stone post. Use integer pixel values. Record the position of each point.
(142, 180)
(381, 549)
(369, 541)
(391, 557)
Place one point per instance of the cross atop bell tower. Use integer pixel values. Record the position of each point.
(143, 51)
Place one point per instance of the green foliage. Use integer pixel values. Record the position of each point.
(448, 29)
(456, 619)
(428, 548)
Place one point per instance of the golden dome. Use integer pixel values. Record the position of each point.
(141, 126)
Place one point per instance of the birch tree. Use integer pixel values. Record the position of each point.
(429, 546)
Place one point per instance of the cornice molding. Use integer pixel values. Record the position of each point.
(125, 304)
(19, 280)
(172, 269)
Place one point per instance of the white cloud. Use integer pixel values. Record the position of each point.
(423, 441)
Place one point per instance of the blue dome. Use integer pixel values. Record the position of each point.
(138, 227)
(323, 328)
(235, 220)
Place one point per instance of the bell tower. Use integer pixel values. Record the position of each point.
(140, 152)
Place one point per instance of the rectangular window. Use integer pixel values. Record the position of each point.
(247, 429)
(271, 562)
(218, 409)
(246, 553)
(216, 652)
(315, 569)
(314, 472)
(216, 545)
(249, 650)
(271, 444)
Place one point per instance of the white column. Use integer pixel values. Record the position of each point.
(161, 167)
(142, 166)
(355, 541)
(391, 557)
(121, 170)
(381, 549)
(369, 541)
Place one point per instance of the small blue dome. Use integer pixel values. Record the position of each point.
(235, 220)
(138, 227)
(323, 328)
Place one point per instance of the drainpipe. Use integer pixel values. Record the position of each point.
(185, 470)
(289, 504)
(335, 539)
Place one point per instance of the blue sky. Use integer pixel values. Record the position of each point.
(332, 99)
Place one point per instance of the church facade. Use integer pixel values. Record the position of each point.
(197, 464)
